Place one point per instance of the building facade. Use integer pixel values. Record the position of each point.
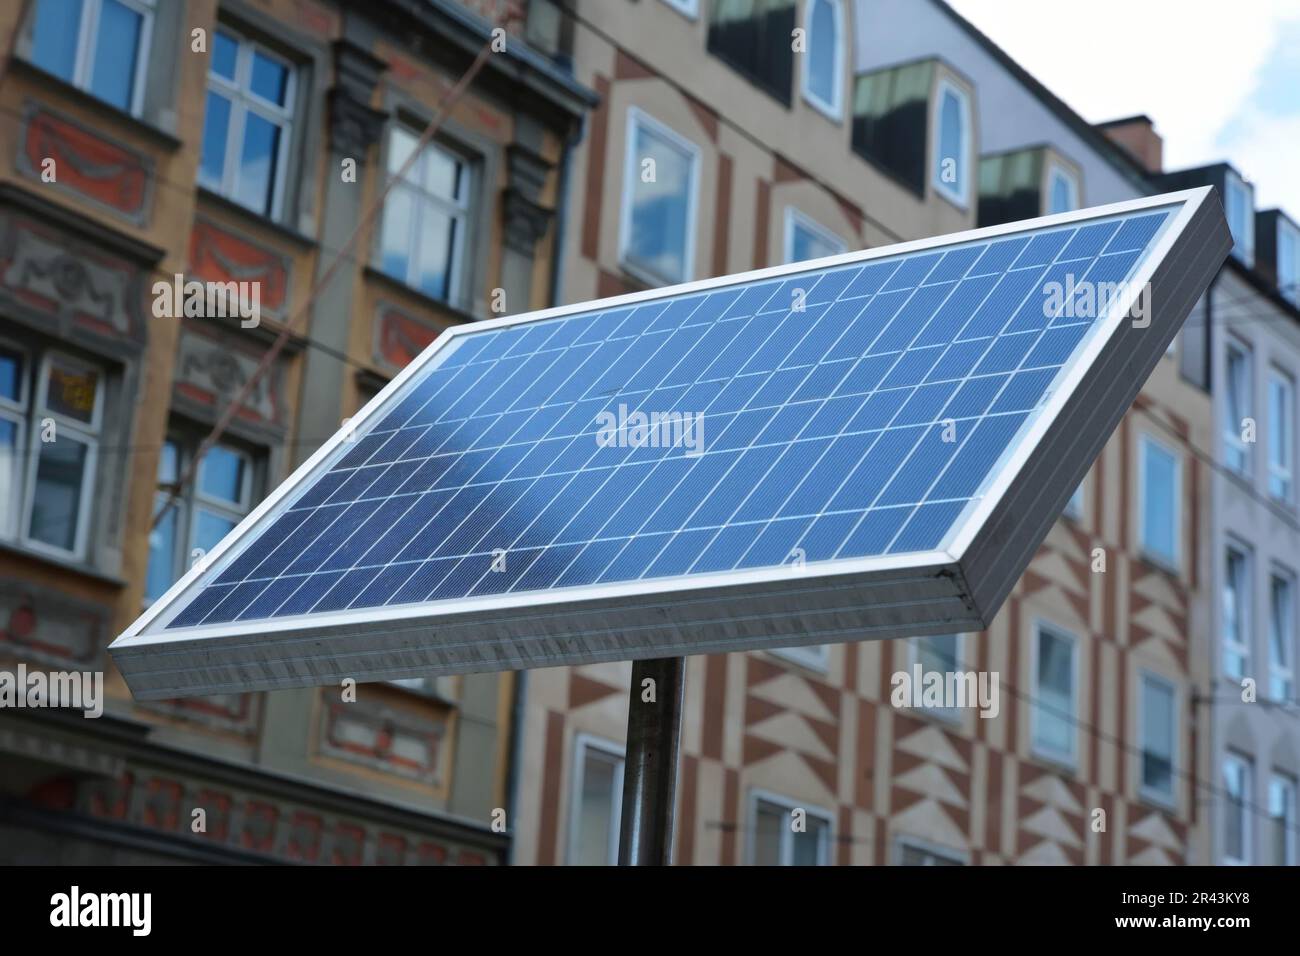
(785, 130)
(238, 145)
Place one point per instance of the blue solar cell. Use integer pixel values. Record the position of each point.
(834, 413)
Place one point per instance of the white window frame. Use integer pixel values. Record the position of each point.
(83, 67)
(1236, 189)
(242, 101)
(461, 208)
(794, 219)
(636, 119)
(958, 197)
(833, 110)
(687, 8)
(1247, 830)
(1076, 508)
(1038, 749)
(1171, 562)
(1286, 782)
(1245, 609)
(1231, 420)
(1284, 471)
(786, 849)
(1056, 169)
(951, 715)
(1168, 799)
(16, 412)
(904, 842)
(581, 744)
(86, 433)
(1282, 672)
(1289, 290)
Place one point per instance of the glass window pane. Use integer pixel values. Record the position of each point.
(162, 553)
(950, 158)
(221, 475)
(169, 461)
(71, 391)
(216, 128)
(1235, 782)
(437, 242)
(661, 184)
(8, 474)
(270, 79)
(1054, 727)
(1157, 736)
(768, 828)
(823, 52)
(808, 845)
(1061, 198)
(225, 54)
(1159, 528)
(1236, 593)
(210, 528)
(1281, 637)
(117, 49)
(395, 233)
(54, 36)
(258, 162)
(11, 375)
(595, 821)
(56, 497)
(441, 173)
(400, 146)
(807, 244)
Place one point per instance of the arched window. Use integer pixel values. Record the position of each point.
(823, 63)
(952, 144)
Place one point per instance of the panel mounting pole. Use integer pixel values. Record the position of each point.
(654, 730)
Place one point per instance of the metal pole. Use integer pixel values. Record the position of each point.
(650, 769)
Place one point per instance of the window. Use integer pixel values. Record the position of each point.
(1281, 445)
(247, 123)
(657, 238)
(1054, 692)
(426, 218)
(689, 8)
(914, 853)
(100, 46)
(952, 143)
(1062, 190)
(823, 63)
(1159, 498)
(813, 656)
(1282, 820)
(1074, 507)
(1236, 809)
(1156, 712)
(1237, 390)
(1288, 261)
(51, 410)
(1281, 636)
(1239, 207)
(938, 653)
(753, 38)
(597, 803)
(1236, 614)
(775, 842)
(805, 239)
(207, 510)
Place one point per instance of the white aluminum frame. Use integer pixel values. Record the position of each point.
(834, 109)
(961, 196)
(637, 118)
(797, 219)
(1170, 799)
(1172, 562)
(1287, 782)
(1247, 765)
(1055, 169)
(1069, 761)
(1245, 609)
(758, 795)
(583, 742)
(1284, 471)
(87, 433)
(957, 586)
(243, 100)
(1232, 421)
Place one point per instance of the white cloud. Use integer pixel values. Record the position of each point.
(1191, 65)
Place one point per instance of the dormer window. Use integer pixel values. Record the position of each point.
(754, 38)
(1027, 183)
(915, 123)
(1239, 207)
(823, 65)
(1288, 261)
(1062, 190)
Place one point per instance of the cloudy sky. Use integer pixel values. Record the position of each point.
(1220, 80)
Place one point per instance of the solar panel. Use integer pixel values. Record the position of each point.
(793, 422)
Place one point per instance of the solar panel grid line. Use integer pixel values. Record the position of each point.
(538, 369)
(956, 452)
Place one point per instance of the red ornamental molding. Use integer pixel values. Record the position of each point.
(400, 338)
(86, 163)
(219, 255)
